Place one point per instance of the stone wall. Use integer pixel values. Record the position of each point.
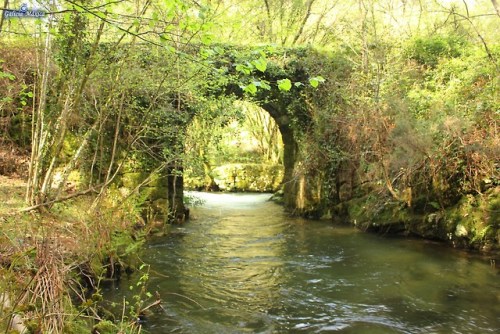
(243, 178)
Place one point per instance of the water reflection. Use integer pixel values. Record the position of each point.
(232, 261)
(234, 256)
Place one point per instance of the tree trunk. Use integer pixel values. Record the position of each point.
(496, 6)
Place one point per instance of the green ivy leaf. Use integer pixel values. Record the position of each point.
(67, 17)
(314, 81)
(435, 205)
(100, 15)
(243, 69)
(9, 76)
(265, 85)
(284, 85)
(250, 88)
(260, 64)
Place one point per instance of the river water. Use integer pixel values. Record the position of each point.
(241, 265)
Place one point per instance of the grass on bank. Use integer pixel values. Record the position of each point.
(52, 263)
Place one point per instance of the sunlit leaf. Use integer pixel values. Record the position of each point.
(314, 81)
(284, 84)
(206, 39)
(243, 69)
(260, 64)
(265, 85)
(67, 17)
(100, 15)
(78, 8)
(250, 88)
(9, 76)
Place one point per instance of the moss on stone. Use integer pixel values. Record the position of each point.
(472, 223)
(106, 327)
(377, 214)
(243, 177)
(132, 180)
(249, 177)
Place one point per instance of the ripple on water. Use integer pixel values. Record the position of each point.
(243, 266)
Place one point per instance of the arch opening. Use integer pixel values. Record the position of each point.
(233, 145)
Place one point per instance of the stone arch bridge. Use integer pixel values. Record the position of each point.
(289, 108)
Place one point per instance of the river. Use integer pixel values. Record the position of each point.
(241, 265)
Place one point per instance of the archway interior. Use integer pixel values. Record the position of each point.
(233, 145)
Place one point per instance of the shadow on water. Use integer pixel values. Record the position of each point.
(243, 266)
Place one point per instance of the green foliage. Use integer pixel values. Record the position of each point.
(428, 51)
(315, 81)
(73, 49)
(6, 75)
(106, 327)
(16, 102)
(250, 88)
(285, 84)
(260, 64)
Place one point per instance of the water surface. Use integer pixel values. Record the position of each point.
(241, 265)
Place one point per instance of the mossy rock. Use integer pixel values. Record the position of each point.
(249, 177)
(158, 181)
(76, 327)
(160, 206)
(153, 193)
(106, 327)
(474, 221)
(132, 180)
(379, 214)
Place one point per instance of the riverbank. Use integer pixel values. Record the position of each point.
(472, 223)
(53, 264)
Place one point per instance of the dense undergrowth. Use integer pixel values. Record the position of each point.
(53, 265)
(412, 145)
